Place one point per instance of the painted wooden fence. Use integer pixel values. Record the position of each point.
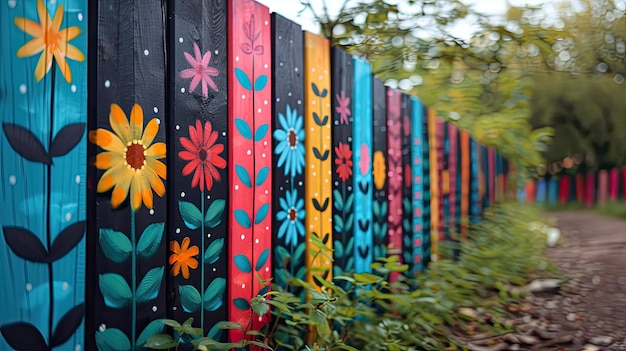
(207, 148)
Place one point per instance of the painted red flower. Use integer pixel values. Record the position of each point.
(203, 155)
(343, 161)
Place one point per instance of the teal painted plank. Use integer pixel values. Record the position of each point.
(362, 146)
(42, 177)
(417, 124)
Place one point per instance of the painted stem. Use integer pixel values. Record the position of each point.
(133, 278)
(48, 207)
(202, 266)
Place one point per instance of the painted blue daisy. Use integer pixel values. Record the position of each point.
(291, 215)
(290, 138)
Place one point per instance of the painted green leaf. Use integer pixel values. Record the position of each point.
(338, 246)
(242, 218)
(349, 223)
(115, 245)
(377, 227)
(243, 128)
(243, 263)
(262, 213)
(190, 298)
(260, 82)
(281, 254)
(279, 277)
(261, 132)
(243, 175)
(350, 263)
(213, 252)
(262, 176)
(338, 200)
(112, 339)
(243, 79)
(376, 209)
(150, 240)
(350, 245)
(383, 209)
(154, 327)
(299, 253)
(214, 294)
(213, 215)
(262, 259)
(191, 214)
(115, 290)
(150, 285)
(301, 274)
(383, 231)
(241, 304)
(349, 201)
(338, 222)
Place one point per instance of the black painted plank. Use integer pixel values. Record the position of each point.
(197, 31)
(379, 170)
(343, 195)
(407, 185)
(288, 173)
(426, 190)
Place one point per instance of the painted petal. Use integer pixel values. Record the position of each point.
(112, 177)
(31, 48)
(175, 248)
(158, 167)
(206, 58)
(187, 156)
(192, 262)
(58, 19)
(72, 53)
(119, 123)
(122, 183)
(194, 82)
(43, 66)
(211, 83)
(190, 167)
(208, 179)
(157, 150)
(136, 122)
(185, 270)
(282, 215)
(283, 229)
(135, 191)
(155, 182)
(63, 67)
(200, 174)
(44, 16)
(188, 73)
(191, 60)
(146, 194)
(176, 268)
(196, 178)
(205, 88)
(107, 140)
(70, 33)
(208, 134)
(106, 160)
(197, 53)
(29, 27)
(152, 128)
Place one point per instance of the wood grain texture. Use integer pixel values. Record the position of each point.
(318, 175)
(417, 184)
(199, 119)
(250, 158)
(379, 168)
(42, 179)
(343, 113)
(288, 145)
(394, 172)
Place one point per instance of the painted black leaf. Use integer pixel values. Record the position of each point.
(23, 336)
(317, 119)
(364, 251)
(325, 119)
(264, 290)
(325, 205)
(26, 144)
(66, 139)
(364, 225)
(365, 187)
(319, 155)
(317, 206)
(326, 274)
(324, 93)
(326, 237)
(25, 244)
(316, 90)
(67, 325)
(67, 240)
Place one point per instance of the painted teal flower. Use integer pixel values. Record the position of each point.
(291, 214)
(290, 138)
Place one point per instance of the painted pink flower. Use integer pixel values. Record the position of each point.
(343, 101)
(364, 163)
(200, 71)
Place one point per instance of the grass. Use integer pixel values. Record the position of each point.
(610, 209)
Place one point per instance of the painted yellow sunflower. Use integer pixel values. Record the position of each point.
(379, 170)
(129, 161)
(50, 40)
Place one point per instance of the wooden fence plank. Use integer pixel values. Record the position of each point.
(289, 136)
(250, 157)
(407, 186)
(128, 254)
(362, 146)
(435, 190)
(613, 184)
(343, 163)
(318, 174)
(394, 167)
(426, 188)
(417, 179)
(475, 202)
(465, 182)
(42, 176)
(452, 169)
(379, 169)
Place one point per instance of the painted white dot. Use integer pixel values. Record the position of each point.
(77, 348)
(290, 41)
(312, 166)
(208, 235)
(299, 102)
(208, 197)
(107, 83)
(300, 183)
(155, 109)
(151, 211)
(330, 220)
(315, 194)
(146, 52)
(267, 192)
(65, 286)
(313, 102)
(280, 64)
(217, 52)
(102, 327)
(277, 99)
(223, 133)
(311, 226)
(243, 286)
(68, 216)
(80, 17)
(267, 228)
(315, 219)
(29, 286)
(174, 308)
(177, 127)
(265, 66)
(320, 77)
(214, 269)
(182, 90)
(280, 37)
(330, 172)
(77, 179)
(243, 237)
(154, 308)
(177, 230)
(256, 241)
(236, 187)
(180, 40)
(12, 180)
(289, 93)
(23, 88)
(312, 129)
(249, 152)
(158, 120)
(265, 143)
(267, 269)
(182, 194)
(236, 58)
(263, 155)
(259, 110)
(73, 88)
(243, 97)
(12, 4)
(265, 102)
(266, 23)
(325, 180)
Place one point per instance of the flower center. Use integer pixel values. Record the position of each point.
(135, 155)
(51, 39)
(292, 138)
(292, 214)
(203, 155)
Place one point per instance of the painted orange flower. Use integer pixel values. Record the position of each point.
(50, 40)
(379, 171)
(183, 257)
(129, 160)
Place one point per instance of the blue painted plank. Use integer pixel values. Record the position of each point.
(417, 171)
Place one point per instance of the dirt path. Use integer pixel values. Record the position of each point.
(592, 305)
